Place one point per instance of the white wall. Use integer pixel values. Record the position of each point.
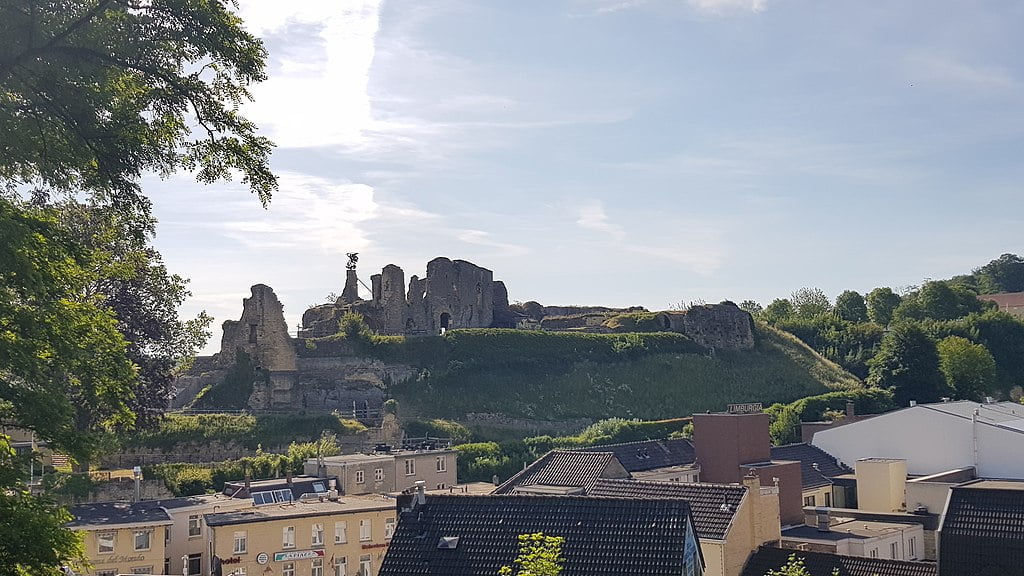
(930, 441)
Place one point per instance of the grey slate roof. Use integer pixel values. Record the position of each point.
(983, 529)
(650, 454)
(113, 513)
(560, 468)
(808, 456)
(711, 520)
(821, 564)
(603, 536)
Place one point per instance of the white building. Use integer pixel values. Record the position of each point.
(938, 437)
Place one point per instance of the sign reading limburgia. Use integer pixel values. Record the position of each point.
(748, 408)
(297, 555)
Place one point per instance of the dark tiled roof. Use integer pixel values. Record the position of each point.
(560, 468)
(650, 454)
(710, 518)
(821, 564)
(112, 513)
(808, 456)
(603, 536)
(983, 530)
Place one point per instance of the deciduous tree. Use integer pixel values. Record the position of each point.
(850, 306)
(908, 363)
(969, 368)
(539, 555)
(881, 304)
(810, 302)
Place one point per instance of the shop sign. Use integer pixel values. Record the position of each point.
(298, 555)
(748, 408)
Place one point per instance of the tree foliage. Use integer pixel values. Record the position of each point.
(969, 368)
(810, 302)
(539, 555)
(882, 302)
(95, 93)
(1004, 274)
(908, 363)
(850, 306)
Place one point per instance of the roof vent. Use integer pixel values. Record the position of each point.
(989, 400)
(448, 543)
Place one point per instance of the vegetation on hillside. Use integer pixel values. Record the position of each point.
(562, 376)
(938, 339)
(247, 430)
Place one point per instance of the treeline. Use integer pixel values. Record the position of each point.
(924, 343)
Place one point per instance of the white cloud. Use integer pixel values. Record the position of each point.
(592, 217)
(481, 238)
(719, 7)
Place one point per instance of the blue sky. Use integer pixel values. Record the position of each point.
(616, 152)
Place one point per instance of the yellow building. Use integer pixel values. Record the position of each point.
(340, 537)
(123, 538)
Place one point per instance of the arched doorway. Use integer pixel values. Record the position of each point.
(446, 319)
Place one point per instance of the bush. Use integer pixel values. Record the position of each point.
(438, 428)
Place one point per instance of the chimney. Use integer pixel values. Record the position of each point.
(850, 413)
(913, 403)
(421, 493)
(288, 477)
(822, 515)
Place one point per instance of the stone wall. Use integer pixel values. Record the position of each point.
(261, 332)
(721, 326)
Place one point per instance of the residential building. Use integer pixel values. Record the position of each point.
(122, 537)
(856, 537)
(818, 474)
(732, 446)
(1010, 302)
(937, 437)
(731, 520)
(296, 486)
(187, 538)
(564, 472)
(982, 531)
(822, 564)
(332, 537)
(477, 535)
(669, 460)
(387, 471)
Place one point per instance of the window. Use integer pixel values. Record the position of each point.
(364, 530)
(442, 463)
(288, 537)
(378, 474)
(272, 497)
(318, 567)
(142, 538)
(288, 569)
(410, 467)
(809, 500)
(106, 573)
(912, 548)
(167, 535)
(873, 553)
(828, 499)
(195, 525)
(252, 333)
(360, 477)
(318, 535)
(241, 543)
(364, 565)
(389, 528)
(893, 550)
(340, 532)
(195, 565)
(340, 567)
(142, 570)
(105, 542)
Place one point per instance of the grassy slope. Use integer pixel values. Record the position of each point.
(650, 385)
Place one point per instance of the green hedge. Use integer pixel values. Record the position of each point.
(244, 429)
(786, 418)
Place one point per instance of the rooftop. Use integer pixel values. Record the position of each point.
(564, 468)
(114, 513)
(766, 559)
(471, 535)
(816, 465)
(844, 530)
(650, 454)
(345, 505)
(713, 505)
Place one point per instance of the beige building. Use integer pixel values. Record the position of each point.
(187, 538)
(123, 538)
(387, 472)
(343, 537)
(881, 484)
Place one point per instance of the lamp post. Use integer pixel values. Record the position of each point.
(137, 474)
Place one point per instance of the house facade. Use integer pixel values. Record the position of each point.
(388, 471)
(343, 537)
(122, 537)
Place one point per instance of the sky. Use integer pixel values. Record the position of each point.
(618, 152)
